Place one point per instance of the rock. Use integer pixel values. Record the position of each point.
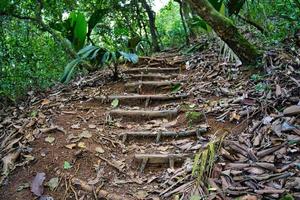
(292, 110)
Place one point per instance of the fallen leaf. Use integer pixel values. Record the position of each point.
(99, 149)
(292, 110)
(53, 183)
(115, 103)
(85, 134)
(81, 145)
(45, 102)
(70, 146)
(141, 194)
(46, 198)
(50, 139)
(75, 126)
(67, 165)
(23, 186)
(92, 126)
(37, 187)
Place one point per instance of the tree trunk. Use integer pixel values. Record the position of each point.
(226, 31)
(183, 21)
(151, 16)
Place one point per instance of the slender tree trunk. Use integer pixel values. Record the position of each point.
(183, 21)
(226, 31)
(151, 16)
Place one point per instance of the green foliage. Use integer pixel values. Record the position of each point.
(204, 160)
(193, 116)
(98, 57)
(76, 26)
(262, 87)
(287, 197)
(169, 26)
(29, 59)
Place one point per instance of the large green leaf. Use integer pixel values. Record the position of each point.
(69, 70)
(80, 31)
(86, 51)
(131, 57)
(217, 4)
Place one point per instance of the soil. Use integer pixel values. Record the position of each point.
(77, 112)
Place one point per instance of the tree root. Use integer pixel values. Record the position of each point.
(101, 194)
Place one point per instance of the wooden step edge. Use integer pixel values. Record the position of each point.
(161, 134)
(152, 83)
(145, 113)
(141, 97)
(153, 76)
(161, 159)
(152, 69)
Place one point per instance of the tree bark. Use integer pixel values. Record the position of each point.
(226, 31)
(151, 16)
(183, 21)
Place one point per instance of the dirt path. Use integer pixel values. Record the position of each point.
(131, 139)
(124, 150)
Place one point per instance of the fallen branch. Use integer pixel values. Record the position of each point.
(101, 194)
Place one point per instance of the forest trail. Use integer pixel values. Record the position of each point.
(136, 138)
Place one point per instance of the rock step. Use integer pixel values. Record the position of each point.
(152, 70)
(152, 76)
(159, 134)
(148, 114)
(152, 83)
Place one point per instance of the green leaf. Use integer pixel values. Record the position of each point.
(53, 183)
(69, 69)
(131, 57)
(115, 103)
(287, 197)
(175, 88)
(86, 49)
(80, 30)
(217, 4)
(195, 197)
(67, 165)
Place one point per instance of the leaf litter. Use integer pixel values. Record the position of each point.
(259, 158)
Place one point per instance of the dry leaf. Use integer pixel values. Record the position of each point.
(81, 145)
(50, 139)
(70, 146)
